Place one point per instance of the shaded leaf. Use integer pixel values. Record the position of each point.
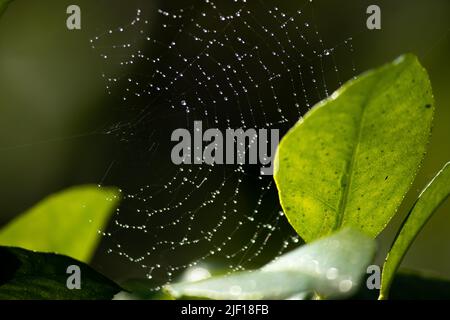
(410, 285)
(66, 223)
(353, 157)
(434, 194)
(419, 286)
(27, 275)
(332, 267)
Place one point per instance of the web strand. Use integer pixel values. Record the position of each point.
(256, 66)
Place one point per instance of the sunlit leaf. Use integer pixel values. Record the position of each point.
(353, 157)
(29, 275)
(66, 223)
(437, 191)
(332, 267)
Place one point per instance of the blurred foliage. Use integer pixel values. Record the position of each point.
(3, 5)
(331, 267)
(67, 223)
(28, 275)
(138, 289)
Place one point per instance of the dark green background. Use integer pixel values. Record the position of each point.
(54, 107)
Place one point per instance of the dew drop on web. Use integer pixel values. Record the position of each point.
(255, 67)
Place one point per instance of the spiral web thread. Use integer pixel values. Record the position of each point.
(241, 66)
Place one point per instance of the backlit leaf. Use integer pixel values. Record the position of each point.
(332, 267)
(352, 158)
(66, 223)
(437, 191)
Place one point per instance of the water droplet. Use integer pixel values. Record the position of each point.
(196, 274)
(345, 285)
(235, 290)
(332, 274)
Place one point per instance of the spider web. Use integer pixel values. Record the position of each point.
(240, 64)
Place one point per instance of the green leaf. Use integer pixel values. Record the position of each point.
(138, 289)
(434, 194)
(3, 5)
(332, 267)
(66, 223)
(27, 275)
(353, 157)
